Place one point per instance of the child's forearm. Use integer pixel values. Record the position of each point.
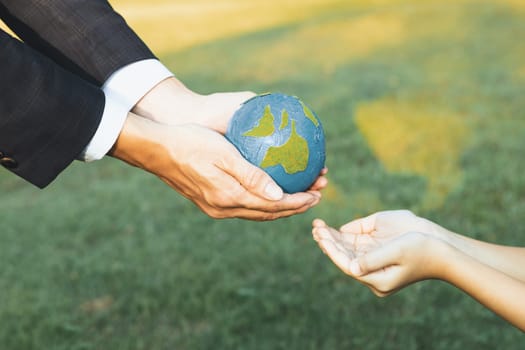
(507, 259)
(497, 291)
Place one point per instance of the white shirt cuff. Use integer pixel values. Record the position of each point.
(123, 89)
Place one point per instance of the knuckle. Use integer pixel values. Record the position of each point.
(253, 178)
(267, 216)
(385, 287)
(218, 201)
(222, 199)
(363, 264)
(380, 294)
(215, 213)
(235, 196)
(382, 289)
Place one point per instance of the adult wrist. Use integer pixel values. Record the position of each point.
(165, 101)
(122, 90)
(137, 142)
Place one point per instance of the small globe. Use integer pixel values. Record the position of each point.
(282, 136)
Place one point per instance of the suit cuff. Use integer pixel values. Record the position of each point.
(123, 89)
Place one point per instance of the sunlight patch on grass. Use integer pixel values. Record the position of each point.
(175, 26)
(521, 72)
(518, 4)
(334, 194)
(328, 45)
(419, 139)
(349, 205)
(325, 46)
(365, 202)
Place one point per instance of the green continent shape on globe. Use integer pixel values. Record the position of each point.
(284, 119)
(292, 155)
(309, 114)
(265, 126)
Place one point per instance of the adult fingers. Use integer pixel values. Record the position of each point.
(220, 107)
(321, 182)
(252, 178)
(233, 200)
(250, 214)
(251, 187)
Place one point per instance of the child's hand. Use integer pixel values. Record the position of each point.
(385, 225)
(385, 251)
(389, 250)
(411, 257)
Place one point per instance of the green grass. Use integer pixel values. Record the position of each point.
(108, 257)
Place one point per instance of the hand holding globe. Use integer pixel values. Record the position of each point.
(282, 136)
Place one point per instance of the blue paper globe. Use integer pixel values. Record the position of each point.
(282, 136)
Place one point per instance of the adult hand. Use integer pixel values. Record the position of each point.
(204, 167)
(171, 102)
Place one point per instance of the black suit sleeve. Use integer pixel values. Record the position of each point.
(85, 36)
(47, 114)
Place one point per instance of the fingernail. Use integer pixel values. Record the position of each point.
(273, 192)
(355, 268)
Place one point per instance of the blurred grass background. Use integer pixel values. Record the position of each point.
(423, 106)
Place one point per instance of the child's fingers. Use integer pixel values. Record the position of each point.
(319, 223)
(360, 226)
(330, 243)
(377, 259)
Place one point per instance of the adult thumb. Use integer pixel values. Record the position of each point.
(256, 181)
